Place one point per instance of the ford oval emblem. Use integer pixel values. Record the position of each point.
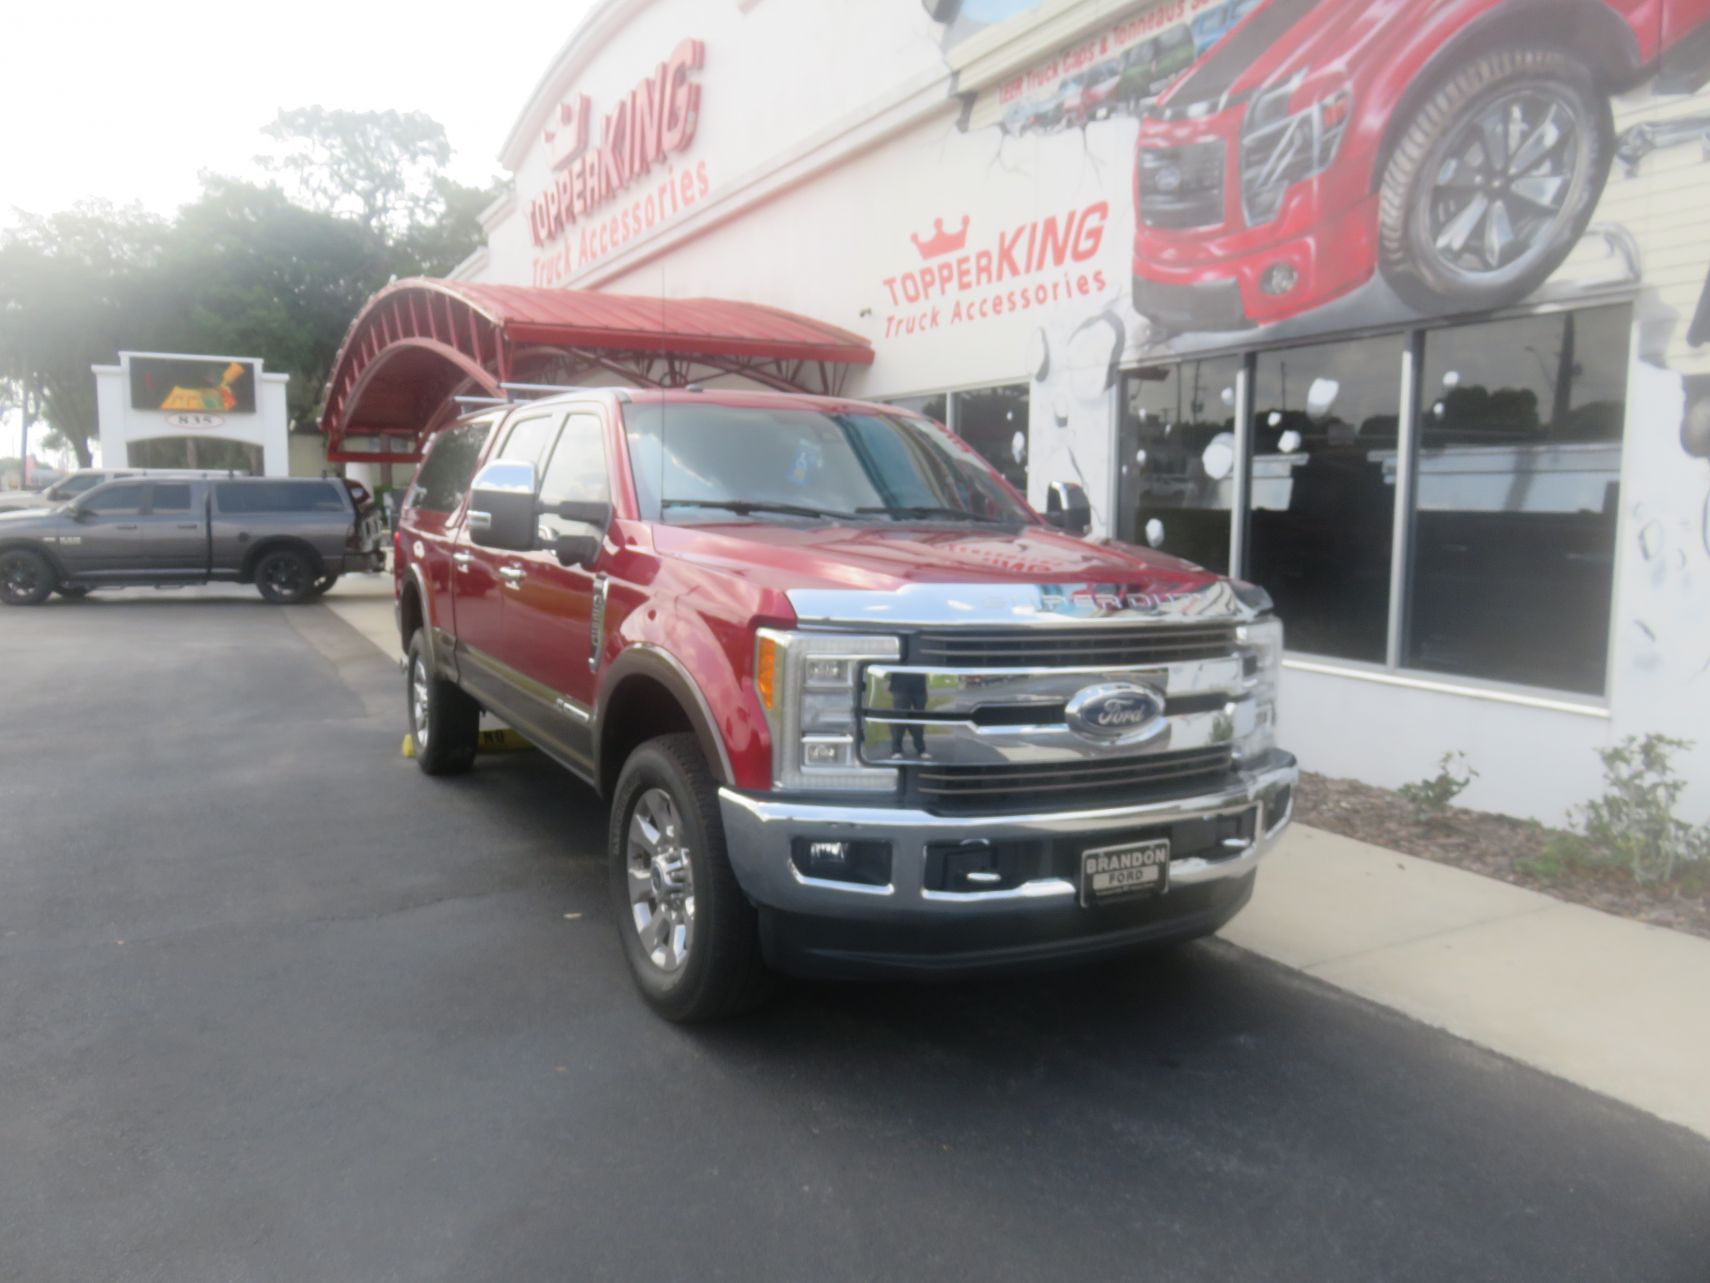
(1116, 712)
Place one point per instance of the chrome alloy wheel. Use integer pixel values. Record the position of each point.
(1502, 187)
(419, 703)
(661, 882)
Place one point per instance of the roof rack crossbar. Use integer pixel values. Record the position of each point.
(520, 391)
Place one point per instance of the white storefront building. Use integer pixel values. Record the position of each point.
(1387, 307)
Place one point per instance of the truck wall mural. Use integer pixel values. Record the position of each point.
(1280, 171)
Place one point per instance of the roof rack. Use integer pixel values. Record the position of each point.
(524, 391)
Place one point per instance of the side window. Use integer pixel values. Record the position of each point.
(116, 501)
(174, 497)
(445, 475)
(577, 472)
(527, 440)
(280, 496)
(73, 486)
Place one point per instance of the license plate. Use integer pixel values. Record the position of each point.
(1134, 869)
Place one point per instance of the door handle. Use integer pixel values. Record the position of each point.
(512, 575)
(129, 526)
(462, 560)
(188, 525)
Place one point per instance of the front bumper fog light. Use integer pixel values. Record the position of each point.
(831, 860)
(1278, 278)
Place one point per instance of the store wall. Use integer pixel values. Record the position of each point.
(1500, 200)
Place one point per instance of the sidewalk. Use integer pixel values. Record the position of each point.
(1612, 1005)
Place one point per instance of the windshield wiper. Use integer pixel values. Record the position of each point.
(928, 510)
(742, 507)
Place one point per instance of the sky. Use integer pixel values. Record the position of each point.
(130, 102)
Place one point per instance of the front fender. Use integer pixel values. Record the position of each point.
(649, 660)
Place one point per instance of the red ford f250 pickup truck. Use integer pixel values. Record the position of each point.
(857, 708)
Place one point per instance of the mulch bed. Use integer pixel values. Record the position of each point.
(1500, 846)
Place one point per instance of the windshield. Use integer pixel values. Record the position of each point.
(705, 463)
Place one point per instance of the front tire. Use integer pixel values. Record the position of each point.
(1494, 181)
(26, 578)
(284, 577)
(444, 722)
(691, 937)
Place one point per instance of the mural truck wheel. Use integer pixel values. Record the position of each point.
(1493, 181)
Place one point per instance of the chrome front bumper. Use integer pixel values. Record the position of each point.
(759, 833)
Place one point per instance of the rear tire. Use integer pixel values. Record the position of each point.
(323, 585)
(26, 578)
(444, 722)
(284, 577)
(690, 935)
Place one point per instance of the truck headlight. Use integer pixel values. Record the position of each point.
(809, 686)
(1260, 644)
(1280, 147)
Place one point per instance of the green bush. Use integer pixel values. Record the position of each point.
(1633, 824)
(1431, 798)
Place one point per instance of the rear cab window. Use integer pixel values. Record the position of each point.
(444, 477)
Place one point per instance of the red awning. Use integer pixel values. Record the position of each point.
(419, 343)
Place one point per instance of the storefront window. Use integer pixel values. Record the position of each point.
(1176, 453)
(1517, 486)
(1323, 491)
(994, 422)
(933, 407)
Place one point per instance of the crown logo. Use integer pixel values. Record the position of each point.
(941, 242)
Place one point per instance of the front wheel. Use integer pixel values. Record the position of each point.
(26, 577)
(691, 937)
(1494, 181)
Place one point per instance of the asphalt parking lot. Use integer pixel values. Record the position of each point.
(275, 1006)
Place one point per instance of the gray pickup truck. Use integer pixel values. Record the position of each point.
(292, 537)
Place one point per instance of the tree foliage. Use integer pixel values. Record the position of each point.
(275, 270)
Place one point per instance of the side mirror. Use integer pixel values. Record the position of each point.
(576, 550)
(1067, 508)
(76, 511)
(501, 506)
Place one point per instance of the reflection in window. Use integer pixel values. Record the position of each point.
(994, 422)
(1323, 491)
(933, 407)
(1518, 479)
(1176, 453)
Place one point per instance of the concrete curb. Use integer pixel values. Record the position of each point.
(1613, 1005)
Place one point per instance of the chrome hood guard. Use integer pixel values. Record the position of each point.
(985, 605)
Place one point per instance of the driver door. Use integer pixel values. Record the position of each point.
(106, 539)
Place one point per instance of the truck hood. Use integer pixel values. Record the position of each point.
(891, 557)
(1277, 40)
(17, 521)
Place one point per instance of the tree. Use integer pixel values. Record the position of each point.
(377, 167)
(247, 269)
(72, 286)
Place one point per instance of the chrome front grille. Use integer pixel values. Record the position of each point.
(1182, 187)
(1096, 646)
(1097, 782)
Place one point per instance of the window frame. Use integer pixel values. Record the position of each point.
(1393, 670)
